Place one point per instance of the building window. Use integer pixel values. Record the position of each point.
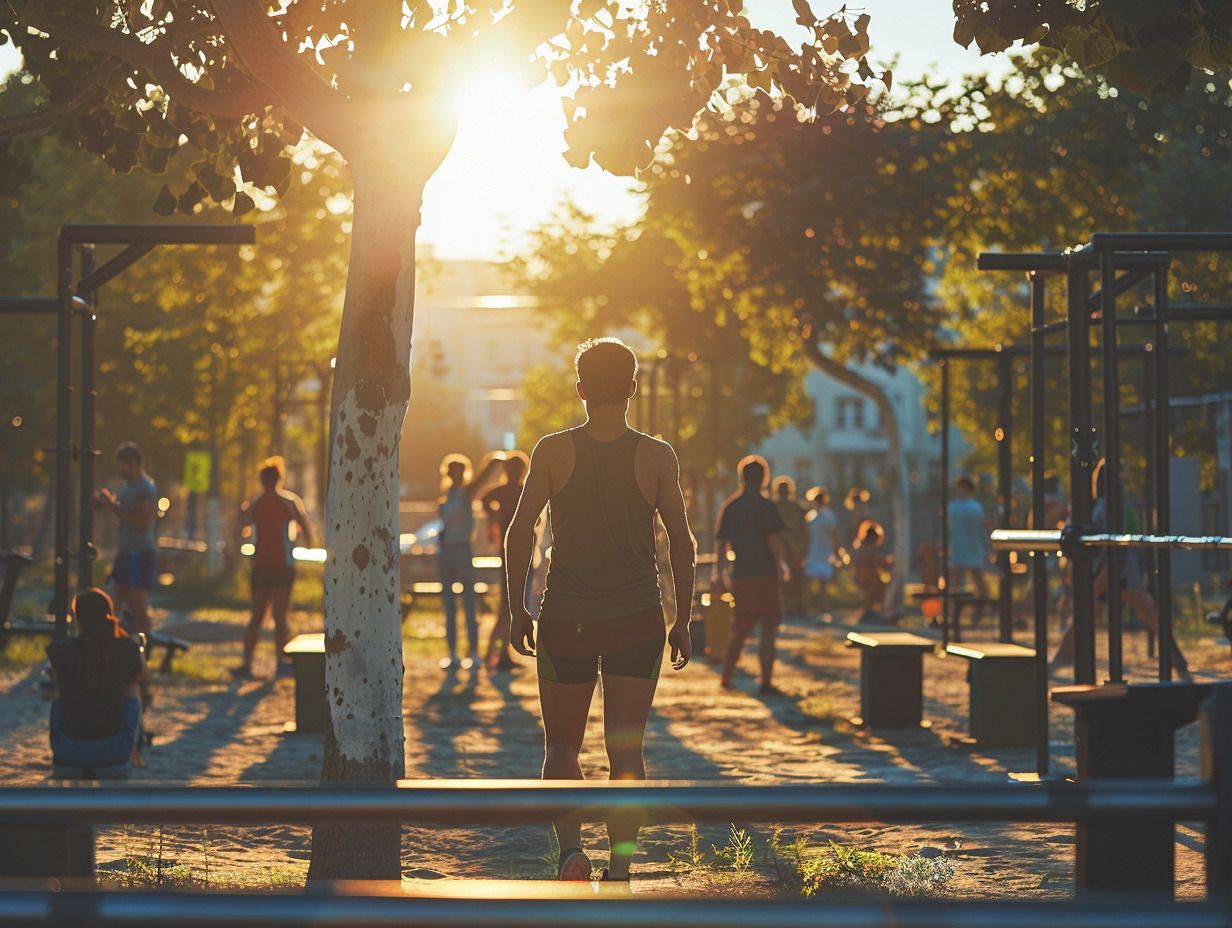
(849, 413)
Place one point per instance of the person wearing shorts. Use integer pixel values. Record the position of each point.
(272, 515)
(136, 563)
(750, 526)
(601, 615)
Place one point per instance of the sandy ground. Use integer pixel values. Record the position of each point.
(210, 730)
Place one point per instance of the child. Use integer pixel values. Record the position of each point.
(872, 569)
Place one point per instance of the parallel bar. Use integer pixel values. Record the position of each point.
(1055, 262)
(64, 433)
(108, 234)
(1039, 569)
(340, 910)
(1005, 415)
(527, 802)
(1112, 455)
(1163, 478)
(1082, 460)
(12, 305)
(85, 515)
(943, 572)
(1050, 540)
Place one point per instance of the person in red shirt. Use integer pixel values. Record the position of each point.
(272, 514)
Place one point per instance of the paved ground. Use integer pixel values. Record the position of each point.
(473, 724)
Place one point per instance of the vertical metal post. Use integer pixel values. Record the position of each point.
(63, 451)
(1082, 459)
(1005, 415)
(1150, 503)
(1039, 571)
(89, 325)
(1163, 483)
(943, 572)
(1113, 496)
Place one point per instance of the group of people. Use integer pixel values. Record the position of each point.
(601, 619)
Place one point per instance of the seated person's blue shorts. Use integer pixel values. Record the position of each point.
(626, 646)
(112, 751)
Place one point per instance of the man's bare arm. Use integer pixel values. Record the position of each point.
(520, 543)
(780, 553)
(682, 547)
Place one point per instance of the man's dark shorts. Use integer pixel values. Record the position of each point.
(273, 576)
(625, 646)
(135, 570)
(757, 600)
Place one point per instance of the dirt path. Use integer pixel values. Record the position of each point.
(473, 724)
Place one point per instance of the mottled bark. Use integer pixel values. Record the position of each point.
(363, 627)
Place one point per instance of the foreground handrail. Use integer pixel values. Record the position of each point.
(526, 802)
(87, 910)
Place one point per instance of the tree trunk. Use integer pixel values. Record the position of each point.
(896, 482)
(363, 640)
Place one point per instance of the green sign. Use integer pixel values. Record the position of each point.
(197, 471)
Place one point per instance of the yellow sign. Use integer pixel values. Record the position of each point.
(197, 471)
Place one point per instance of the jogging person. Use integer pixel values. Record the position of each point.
(601, 612)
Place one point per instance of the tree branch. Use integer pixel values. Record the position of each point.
(31, 125)
(233, 104)
(259, 46)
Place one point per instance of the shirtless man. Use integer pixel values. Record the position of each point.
(601, 612)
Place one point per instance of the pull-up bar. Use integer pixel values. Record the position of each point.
(77, 299)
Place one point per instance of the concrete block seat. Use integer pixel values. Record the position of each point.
(1003, 705)
(891, 677)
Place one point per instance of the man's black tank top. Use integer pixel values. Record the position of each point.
(603, 537)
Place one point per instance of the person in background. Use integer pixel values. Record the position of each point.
(856, 504)
(750, 525)
(822, 551)
(455, 557)
(136, 563)
(96, 709)
(499, 504)
(872, 570)
(795, 540)
(970, 548)
(275, 514)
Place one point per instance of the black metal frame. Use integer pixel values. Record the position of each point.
(1136, 257)
(78, 298)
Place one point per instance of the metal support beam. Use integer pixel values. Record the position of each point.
(113, 268)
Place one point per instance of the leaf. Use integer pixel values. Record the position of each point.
(1035, 35)
(804, 15)
(964, 33)
(990, 41)
(243, 204)
(165, 204)
(1146, 70)
(887, 78)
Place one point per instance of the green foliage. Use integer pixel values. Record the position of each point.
(738, 852)
(1148, 46)
(845, 869)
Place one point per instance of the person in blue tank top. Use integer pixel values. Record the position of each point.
(601, 616)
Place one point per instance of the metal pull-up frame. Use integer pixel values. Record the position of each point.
(76, 298)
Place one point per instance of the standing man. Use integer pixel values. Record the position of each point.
(132, 574)
(750, 525)
(970, 548)
(500, 503)
(601, 612)
(795, 539)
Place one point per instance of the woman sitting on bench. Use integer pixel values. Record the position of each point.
(96, 712)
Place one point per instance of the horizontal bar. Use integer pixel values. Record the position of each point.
(1058, 261)
(1162, 241)
(1199, 312)
(37, 304)
(341, 910)
(136, 234)
(529, 802)
(1004, 539)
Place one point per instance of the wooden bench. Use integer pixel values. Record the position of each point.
(307, 653)
(1002, 705)
(891, 677)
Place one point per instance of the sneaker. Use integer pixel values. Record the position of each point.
(285, 669)
(574, 865)
(242, 672)
(607, 878)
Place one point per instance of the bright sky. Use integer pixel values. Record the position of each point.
(505, 174)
